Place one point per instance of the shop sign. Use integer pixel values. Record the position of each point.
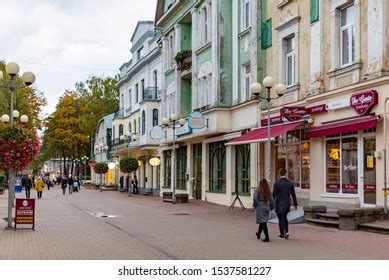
(369, 187)
(349, 186)
(182, 130)
(273, 120)
(156, 133)
(317, 109)
(339, 104)
(363, 102)
(333, 187)
(196, 120)
(92, 164)
(293, 113)
(25, 212)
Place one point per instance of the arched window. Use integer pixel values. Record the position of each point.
(143, 122)
(155, 117)
(134, 126)
(129, 127)
(120, 130)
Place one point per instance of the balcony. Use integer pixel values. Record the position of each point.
(151, 94)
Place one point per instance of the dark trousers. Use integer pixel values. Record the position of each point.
(28, 192)
(263, 227)
(283, 222)
(135, 189)
(40, 194)
(64, 190)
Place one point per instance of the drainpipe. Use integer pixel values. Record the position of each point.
(385, 163)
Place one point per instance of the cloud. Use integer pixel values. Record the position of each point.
(82, 33)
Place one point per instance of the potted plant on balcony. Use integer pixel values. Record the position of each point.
(184, 60)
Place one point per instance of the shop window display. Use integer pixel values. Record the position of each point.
(292, 153)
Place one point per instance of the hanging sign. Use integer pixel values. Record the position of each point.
(363, 102)
(156, 133)
(182, 130)
(25, 212)
(196, 120)
(293, 113)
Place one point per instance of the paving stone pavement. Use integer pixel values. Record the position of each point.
(72, 227)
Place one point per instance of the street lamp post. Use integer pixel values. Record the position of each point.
(172, 121)
(256, 90)
(84, 161)
(28, 78)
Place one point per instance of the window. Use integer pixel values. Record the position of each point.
(204, 24)
(155, 117)
(169, 105)
(140, 53)
(136, 93)
(242, 169)
(167, 158)
(155, 79)
(217, 167)
(129, 98)
(139, 124)
(204, 88)
(170, 51)
(134, 126)
(246, 83)
(347, 35)
(181, 168)
(342, 165)
(142, 88)
(292, 153)
(129, 128)
(290, 61)
(121, 101)
(120, 130)
(246, 14)
(143, 122)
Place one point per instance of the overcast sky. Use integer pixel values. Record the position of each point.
(50, 37)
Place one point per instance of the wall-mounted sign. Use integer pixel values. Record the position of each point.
(182, 130)
(273, 120)
(317, 109)
(156, 133)
(25, 212)
(338, 104)
(196, 120)
(363, 102)
(155, 161)
(293, 113)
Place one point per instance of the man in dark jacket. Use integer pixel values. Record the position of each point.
(282, 191)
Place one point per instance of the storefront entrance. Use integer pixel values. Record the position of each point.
(197, 170)
(351, 166)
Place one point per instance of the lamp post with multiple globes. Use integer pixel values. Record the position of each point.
(12, 69)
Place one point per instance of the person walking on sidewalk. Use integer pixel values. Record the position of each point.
(28, 186)
(135, 189)
(282, 191)
(39, 185)
(263, 203)
(70, 184)
(63, 186)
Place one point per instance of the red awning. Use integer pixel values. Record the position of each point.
(343, 126)
(260, 134)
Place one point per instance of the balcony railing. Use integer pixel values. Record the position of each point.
(151, 93)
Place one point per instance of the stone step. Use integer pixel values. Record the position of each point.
(168, 200)
(374, 228)
(323, 223)
(329, 216)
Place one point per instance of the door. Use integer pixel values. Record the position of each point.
(197, 170)
(369, 187)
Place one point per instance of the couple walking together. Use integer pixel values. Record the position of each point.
(264, 202)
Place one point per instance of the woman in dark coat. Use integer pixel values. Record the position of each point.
(263, 203)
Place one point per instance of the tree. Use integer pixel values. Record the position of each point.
(101, 168)
(128, 165)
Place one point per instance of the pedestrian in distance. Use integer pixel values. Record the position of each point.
(63, 186)
(76, 184)
(263, 202)
(39, 185)
(134, 182)
(28, 186)
(282, 191)
(70, 184)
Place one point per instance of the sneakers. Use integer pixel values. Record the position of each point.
(281, 236)
(286, 235)
(266, 240)
(258, 235)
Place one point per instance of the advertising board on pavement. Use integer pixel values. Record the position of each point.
(25, 212)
